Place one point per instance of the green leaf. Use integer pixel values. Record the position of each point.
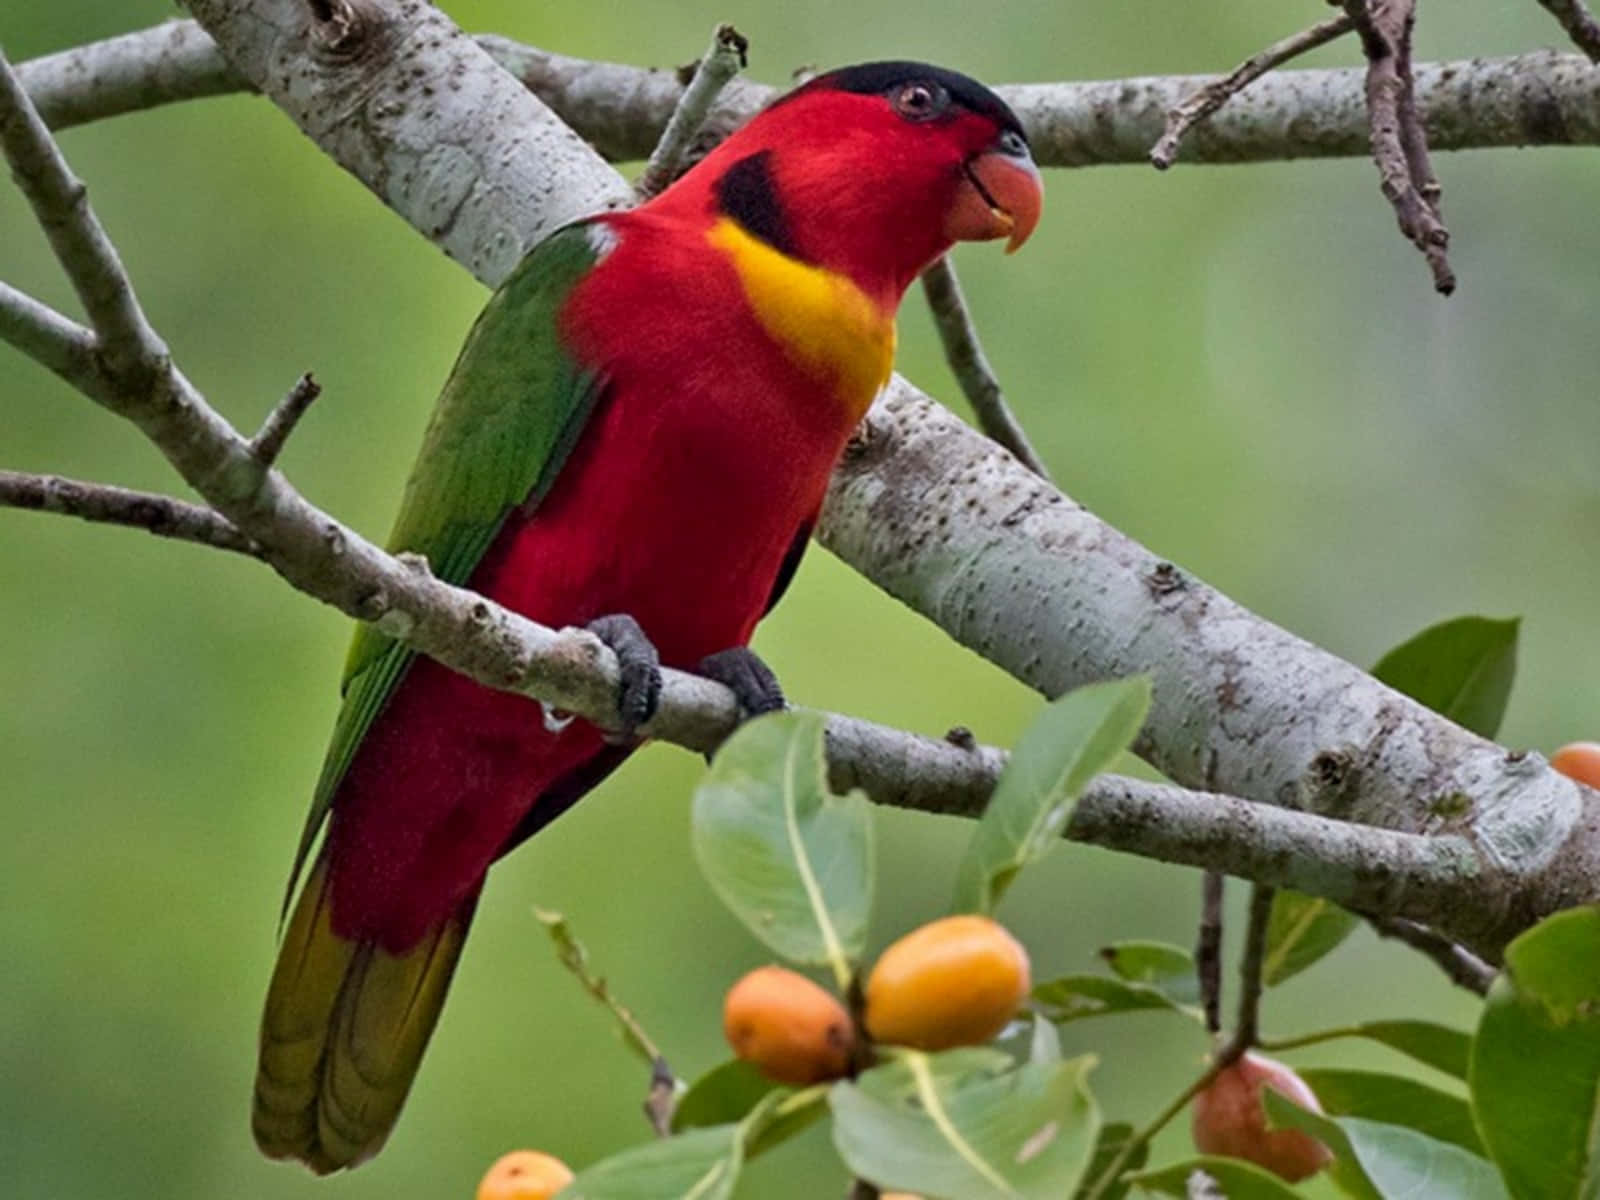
(946, 1125)
(1107, 1146)
(1385, 1162)
(1302, 929)
(703, 1165)
(1075, 738)
(1438, 1046)
(1536, 1060)
(733, 1091)
(1238, 1179)
(1167, 968)
(793, 861)
(1395, 1100)
(723, 1095)
(1074, 997)
(1462, 669)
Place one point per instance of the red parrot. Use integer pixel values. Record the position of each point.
(636, 437)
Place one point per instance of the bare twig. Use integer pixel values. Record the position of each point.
(1464, 968)
(1106, 1183)
(1208, 949)
(1247, 1024)
(269, 442)
(970, 365)
(1399, 142)
(48, 338)
(60, 203)
(722, 61)
(1579, 23)
(574, 956)
(164, 516)
(661, 1100)
(1200, 104)
(1246, 1032)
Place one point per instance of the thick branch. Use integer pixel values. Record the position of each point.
(934, 513)
(1535, 99)
(1008, 566)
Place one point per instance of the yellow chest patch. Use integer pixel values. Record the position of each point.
(822, 319)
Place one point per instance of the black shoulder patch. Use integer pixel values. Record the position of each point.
(747, 193)
(875, 77)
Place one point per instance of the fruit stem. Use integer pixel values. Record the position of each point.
(1246, 1033)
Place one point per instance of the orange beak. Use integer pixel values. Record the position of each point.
(1001, 197)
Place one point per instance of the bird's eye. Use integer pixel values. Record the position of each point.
(920, 101)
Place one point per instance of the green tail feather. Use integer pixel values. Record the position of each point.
(343, 1033)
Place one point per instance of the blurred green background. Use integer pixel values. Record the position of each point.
(1244, 367)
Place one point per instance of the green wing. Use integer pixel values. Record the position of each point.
(509, 414)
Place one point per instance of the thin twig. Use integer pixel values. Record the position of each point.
(1579, 23)
(1199, 105)
(970, 365)
(1247, 1024)
(48, 338)
(1208, 949)
(1399, 143)
(280, 422)
(661, 1101)
(60, 203)
(164, 516)
(1464, 968)
(1103, 1185)
(723, 60)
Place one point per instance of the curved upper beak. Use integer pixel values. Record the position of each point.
(1001, 196)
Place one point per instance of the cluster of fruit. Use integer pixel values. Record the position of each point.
(953, 982)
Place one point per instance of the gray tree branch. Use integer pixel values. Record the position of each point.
(1540, 98)
(259, 513)
(164, 516)
(941, 287)
(938, 516)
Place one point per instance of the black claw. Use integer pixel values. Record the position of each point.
(638, 664)
(752, 682)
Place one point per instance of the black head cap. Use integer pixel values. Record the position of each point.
(875, 78)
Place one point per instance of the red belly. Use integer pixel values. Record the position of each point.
(677, 506)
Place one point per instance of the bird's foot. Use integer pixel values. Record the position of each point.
(752, 682)
(638, 664)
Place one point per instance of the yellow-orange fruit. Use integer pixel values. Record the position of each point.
(1230, 1120)
(1580, 761)
(524, 1175)
(953, 982)
(788, 1027)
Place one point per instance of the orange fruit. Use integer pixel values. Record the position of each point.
(1580, 761)
(788, 1027)
(524, 1175)
(1229, 1119)
(953, 982)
